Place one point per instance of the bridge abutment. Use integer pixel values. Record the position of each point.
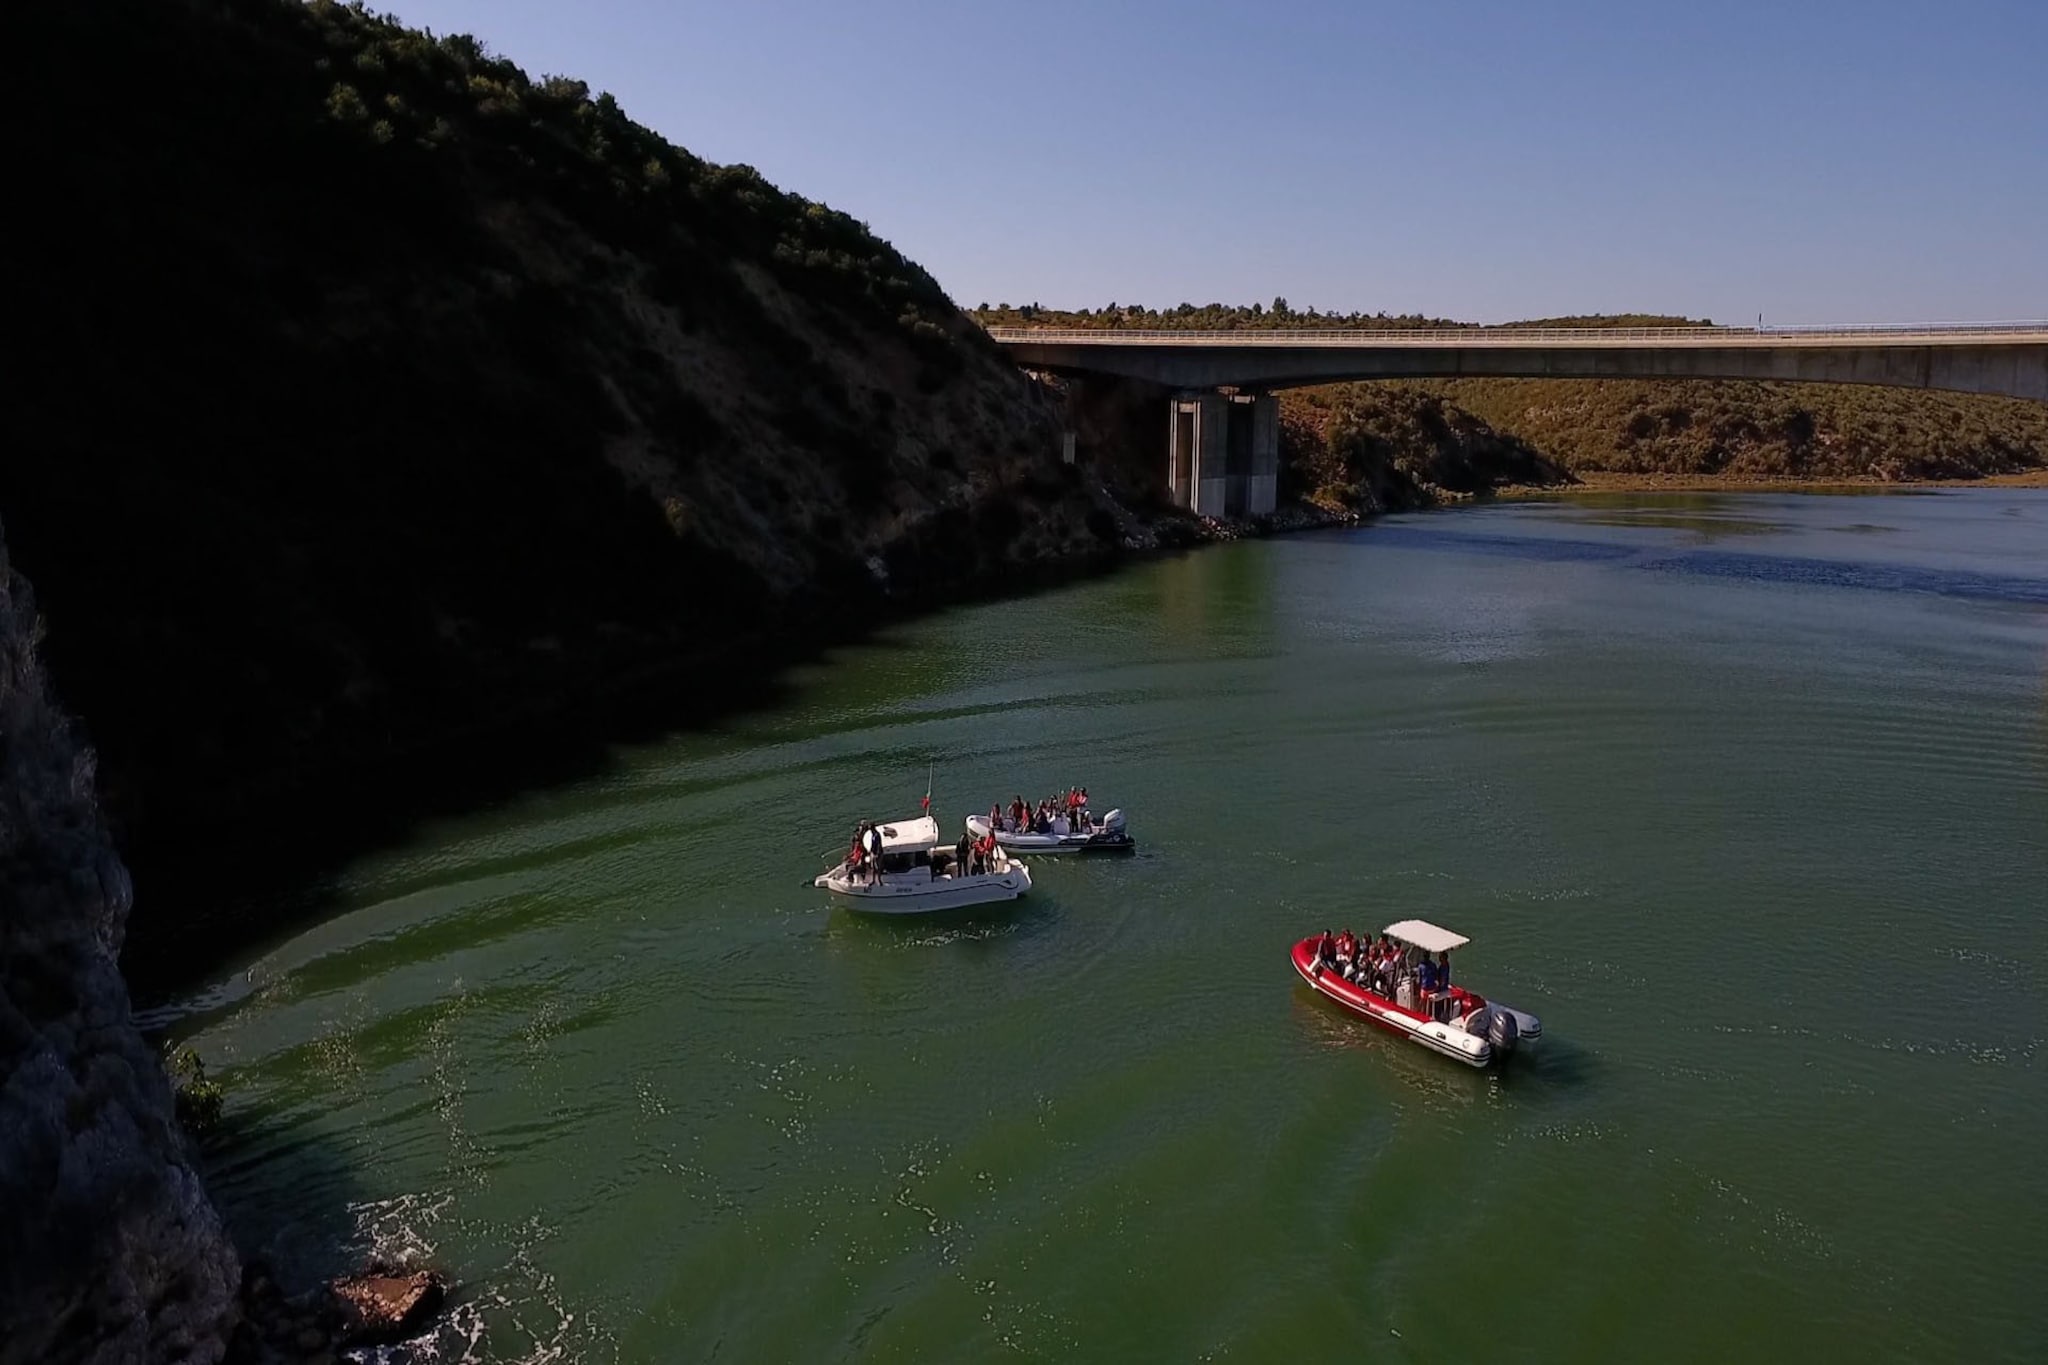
(1223, 453)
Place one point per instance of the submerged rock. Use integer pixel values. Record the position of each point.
(109, 1248)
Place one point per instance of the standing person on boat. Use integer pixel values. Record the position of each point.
(961, 853)
(1020, 816)
(1323, 955)
(1425, 980)
(995, 817)
(871, 844)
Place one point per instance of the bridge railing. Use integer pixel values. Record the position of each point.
(1515, 336)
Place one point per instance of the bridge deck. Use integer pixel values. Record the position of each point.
(1937, 334)
(2009, 358)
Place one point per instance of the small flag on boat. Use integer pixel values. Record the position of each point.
(927, 789)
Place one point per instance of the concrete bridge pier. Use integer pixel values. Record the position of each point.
(1223, 453)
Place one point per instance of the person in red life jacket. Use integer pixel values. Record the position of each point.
(985, 852)
(1020, 816)
(855, 855)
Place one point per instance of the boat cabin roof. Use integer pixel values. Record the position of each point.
(1429, 937)
(899, 836)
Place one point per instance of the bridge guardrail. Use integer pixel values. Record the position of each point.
(1518, 336)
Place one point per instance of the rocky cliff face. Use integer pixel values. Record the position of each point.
(109, 1249)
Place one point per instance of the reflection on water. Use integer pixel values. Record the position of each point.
(1705, 779)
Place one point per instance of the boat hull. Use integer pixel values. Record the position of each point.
(1449, 1040)
(903, 894)
(1102, 841)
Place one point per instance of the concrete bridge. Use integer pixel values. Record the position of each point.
(1224, 451)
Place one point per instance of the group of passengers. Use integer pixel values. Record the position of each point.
(1378, 964)
(1055, 815)
(864, 859)
(974, 857)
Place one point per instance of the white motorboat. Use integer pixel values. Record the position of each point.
(918, 875)
(1106, 835)
(1448, 1019)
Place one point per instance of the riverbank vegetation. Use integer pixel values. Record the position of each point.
(1360, 448)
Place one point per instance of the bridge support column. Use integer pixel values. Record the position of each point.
(1223, 454)
(1197, 472)
(1262, 471)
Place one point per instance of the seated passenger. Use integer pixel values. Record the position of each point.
(995, 817)
(1060, 826)
(1326, 952)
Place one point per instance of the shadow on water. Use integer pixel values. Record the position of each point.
(302, 1233)
(215, 876)
(1025, 917)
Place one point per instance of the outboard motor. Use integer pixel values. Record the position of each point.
(1502, 1031)
(1113, 823)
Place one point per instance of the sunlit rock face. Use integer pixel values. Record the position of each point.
(109, 1248)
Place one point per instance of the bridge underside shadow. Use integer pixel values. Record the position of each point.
(2014, 371)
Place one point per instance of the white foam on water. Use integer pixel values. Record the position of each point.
(510, 1314)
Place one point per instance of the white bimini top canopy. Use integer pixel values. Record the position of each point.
(1426, 936)
(900, 836)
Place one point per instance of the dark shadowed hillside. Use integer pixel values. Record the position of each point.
(377, 394)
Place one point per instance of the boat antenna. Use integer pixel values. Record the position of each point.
(928, 786)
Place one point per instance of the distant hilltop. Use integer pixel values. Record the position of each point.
(1278, 316)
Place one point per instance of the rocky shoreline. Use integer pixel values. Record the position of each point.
(376, 1307)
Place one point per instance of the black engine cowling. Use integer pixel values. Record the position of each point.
(1502, 1031)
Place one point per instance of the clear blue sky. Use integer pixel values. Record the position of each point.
(1485, 160)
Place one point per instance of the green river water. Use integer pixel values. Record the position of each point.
(1746, 797)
